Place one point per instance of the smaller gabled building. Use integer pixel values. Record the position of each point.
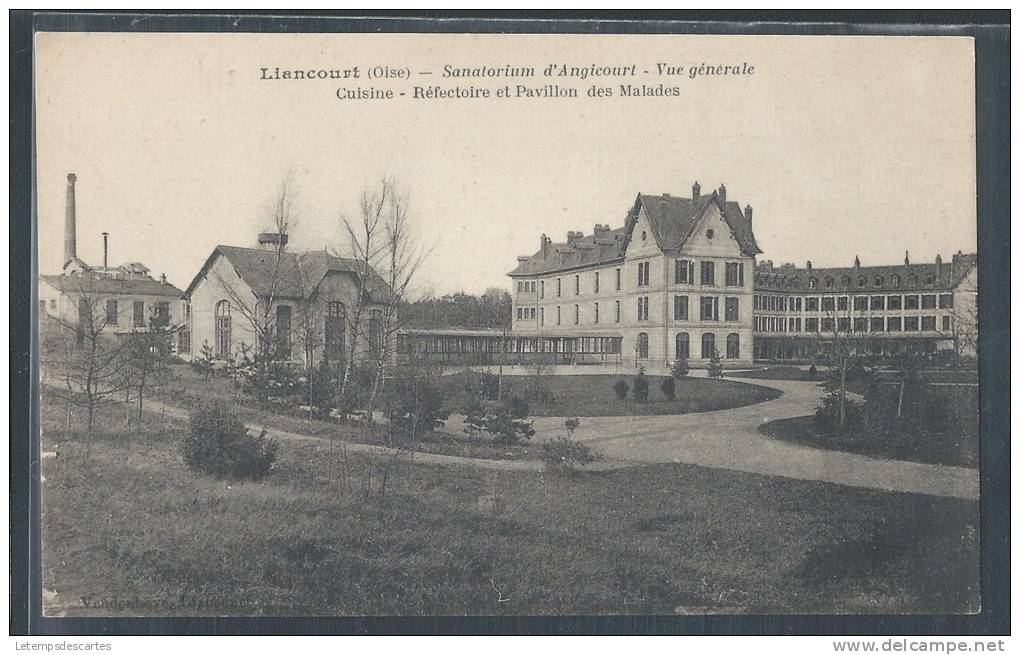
(311, 298)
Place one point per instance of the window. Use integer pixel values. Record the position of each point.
(733, 346)
(684, 273)
(800, 304)
(617, 311)
(845, 280)
(894, 324)
(946, 301)
(710, 233)
(577, 284)
(910, 302)
(844, 324)
(910, 324)
(860, 303)
(946, 326)
(596, 317)
(222, 330)
(111, 312)
(184, 342)
(895, 302)
(811, 324)
(707, 345)
(734, 274)
(642, 345)
(336, 318)
(929, 279)
(812, 283)
(558, 315)
(860, 325)
(375, 335)
(642, 308)
(862, 281)
(912, 280)
(644, 235)
(709, 308)
(680, 308)
(577, 314)
(878, 281)
(842, 303)
(283, 331)
(895, 281)
(828, 283)
(708, 273)
(596, 281)
(643, 273)
(138, 313)
(878, 325)
(683, 345)
(733, 309)
(559, 287)
(541, 316)
(928, 323)
(617, 279)
(828, 325)
(812, 304)
(877, 302)
(520, 313)
(928, 301)
(541, 289)
(828, 304)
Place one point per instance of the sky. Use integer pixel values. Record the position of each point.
(844, 146)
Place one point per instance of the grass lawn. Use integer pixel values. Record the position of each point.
(593, 395)
(781, 373)
(955, 448)
(132, 524)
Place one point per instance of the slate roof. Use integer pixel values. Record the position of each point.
(70, 284)
(913, 277)
(298, 276)
(672, 219)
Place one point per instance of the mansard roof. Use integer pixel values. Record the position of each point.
(911, 277)
(672, 220)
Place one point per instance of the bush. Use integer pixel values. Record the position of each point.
(715, 365)
(563, 454)
(622, 389)
(680, 368)
(518, 407)
(813, 372)
(415, 405)
(218, 444)
(827, 414)
(498, 419)
(641, 387)
(668, 387)
(488, 385)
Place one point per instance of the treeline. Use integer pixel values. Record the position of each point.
(489, 310)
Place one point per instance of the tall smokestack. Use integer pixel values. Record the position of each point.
(106, 249)
(70, 242)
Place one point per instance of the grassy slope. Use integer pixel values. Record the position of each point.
(443, 540)
(593, 395)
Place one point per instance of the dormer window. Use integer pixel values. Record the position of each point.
(845, 280)
(862, 281)
(710, 233)
(878, 281)
(813, 283)
(828, 283)
(895, 281)
(929, 279)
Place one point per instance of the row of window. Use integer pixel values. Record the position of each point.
(861, 324)
(709, 310)
(683, 274)
(160, 316)
(774, 303)
(683, 345)
(861, 281)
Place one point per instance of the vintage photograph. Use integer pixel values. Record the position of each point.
(395, 324)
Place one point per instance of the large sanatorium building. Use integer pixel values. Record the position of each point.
(680, 280)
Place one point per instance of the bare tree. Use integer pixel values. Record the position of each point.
(850, 343)
(310, 337)
(402, 256)
(364, 236)
(258, 305)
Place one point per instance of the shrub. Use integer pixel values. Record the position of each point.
(668, 387)
(622, 389)
(518, 407)
(218, 444)
(827, 414)
(813, 372)
(715, 365)
(488, 385)
(563, 454)
(680, 368)
(415, 405)
(497, 419)
(641, 387)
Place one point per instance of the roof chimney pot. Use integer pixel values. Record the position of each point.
(696, 191)
(722, 193)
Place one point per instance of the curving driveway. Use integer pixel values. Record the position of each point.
(729, 439)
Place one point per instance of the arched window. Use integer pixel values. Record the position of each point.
(336, 320)
(223, 329)
(895, 281)
(845, 280)
(878, 281)
(828, 283)
(642, 345)
(862, 281)
(813, 283)
(683, 345)
(707, 345)
(733, 346)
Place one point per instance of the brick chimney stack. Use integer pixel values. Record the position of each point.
(70, 240)
(747, 214)
(106, 249)
(722, 193)
(696, 191)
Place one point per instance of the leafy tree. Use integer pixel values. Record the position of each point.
(641, 387)
(715, 369)
(668, 387)
(680, 368)
(621, 388)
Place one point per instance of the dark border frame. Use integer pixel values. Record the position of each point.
(990, 30)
